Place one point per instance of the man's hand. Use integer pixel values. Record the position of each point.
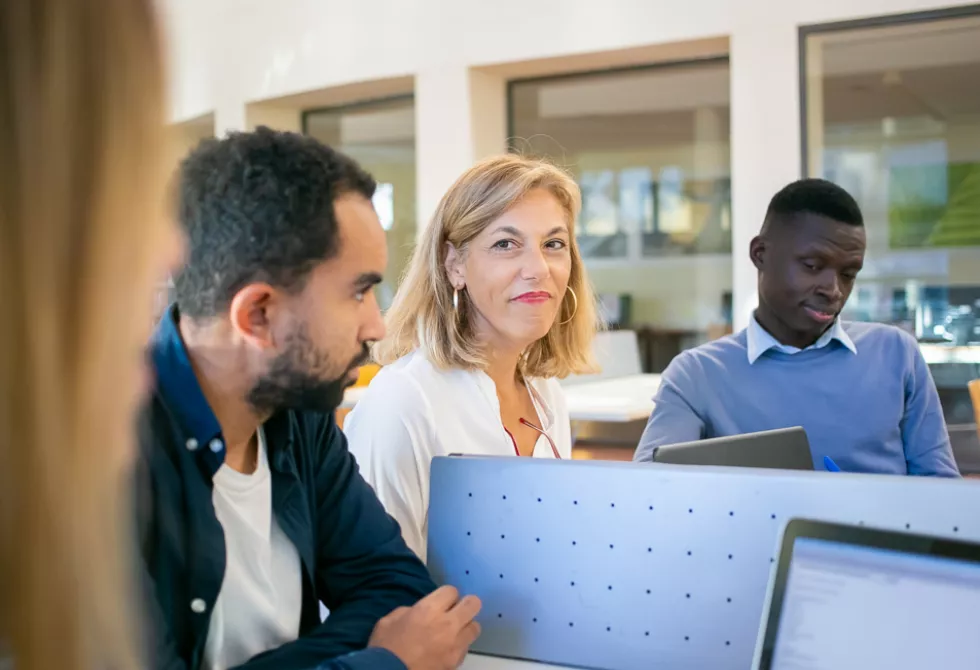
(435, 634)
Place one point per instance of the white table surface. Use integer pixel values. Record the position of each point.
(615, 400)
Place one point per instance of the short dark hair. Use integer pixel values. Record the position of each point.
(814, 196)
(258, 206)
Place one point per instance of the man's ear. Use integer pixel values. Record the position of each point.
(454, 266)
(757, 252)
(252, 313)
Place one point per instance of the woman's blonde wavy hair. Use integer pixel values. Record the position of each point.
(422, 314)
(82, 189)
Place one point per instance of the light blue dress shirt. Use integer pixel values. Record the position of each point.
(759, 341)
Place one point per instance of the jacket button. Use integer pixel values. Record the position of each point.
(198, 606)
(216, 445)
(191, 444)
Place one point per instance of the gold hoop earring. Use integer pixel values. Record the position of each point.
(456, 300)
(574, 309)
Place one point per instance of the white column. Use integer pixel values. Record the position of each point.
(460, 117)
(229, 115)
(184, 137)
(765, 133)
(488, 114)
(228, 91)
(709, 154)
(278, 118)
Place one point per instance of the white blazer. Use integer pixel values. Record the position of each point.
(413, 411)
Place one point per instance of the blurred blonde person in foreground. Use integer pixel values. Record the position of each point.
(494, 308)
(81, 233)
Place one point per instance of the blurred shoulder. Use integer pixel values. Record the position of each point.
(408, 389)
(877, 334)
(398, 386)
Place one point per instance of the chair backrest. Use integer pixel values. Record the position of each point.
(366, 374)
(974, 387)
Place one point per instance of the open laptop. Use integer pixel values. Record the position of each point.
(849, 597)
(785, 448)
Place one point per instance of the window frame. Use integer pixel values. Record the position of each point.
(882, 21)
(368, 104)
(971, 11)
(634, 241)
(359, 105)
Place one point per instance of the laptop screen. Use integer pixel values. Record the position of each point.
(850, 606)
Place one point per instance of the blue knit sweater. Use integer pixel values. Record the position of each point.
(873, 411)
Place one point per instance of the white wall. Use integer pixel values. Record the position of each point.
(229, 54)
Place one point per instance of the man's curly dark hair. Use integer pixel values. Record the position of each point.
(258, 206)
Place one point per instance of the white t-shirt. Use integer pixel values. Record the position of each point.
(412, 412)
(260, 601)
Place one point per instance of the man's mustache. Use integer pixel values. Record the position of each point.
(360, 359)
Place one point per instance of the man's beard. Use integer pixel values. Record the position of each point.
(292, 383)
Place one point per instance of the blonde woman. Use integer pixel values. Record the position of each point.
(494, 308)
(82, 231)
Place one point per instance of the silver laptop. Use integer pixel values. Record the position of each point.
(853, 598)
(784, 448)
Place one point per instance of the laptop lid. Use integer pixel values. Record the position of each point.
(784, 448)
(849, 597)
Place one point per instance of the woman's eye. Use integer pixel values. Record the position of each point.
(505, 245)
(556, 244)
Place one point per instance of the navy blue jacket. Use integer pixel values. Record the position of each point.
(353, 557)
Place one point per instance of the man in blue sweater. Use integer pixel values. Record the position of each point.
(251, 510)
(862, 391)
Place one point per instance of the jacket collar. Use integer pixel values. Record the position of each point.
(177, 383)
(180, 391)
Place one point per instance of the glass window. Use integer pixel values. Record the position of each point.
(381, 137)
(893, 115)
(650, 150)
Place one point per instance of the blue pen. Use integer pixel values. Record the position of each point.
(830, 465)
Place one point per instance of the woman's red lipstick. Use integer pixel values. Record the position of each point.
(533, 297)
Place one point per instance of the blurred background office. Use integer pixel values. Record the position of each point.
(679, 123)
